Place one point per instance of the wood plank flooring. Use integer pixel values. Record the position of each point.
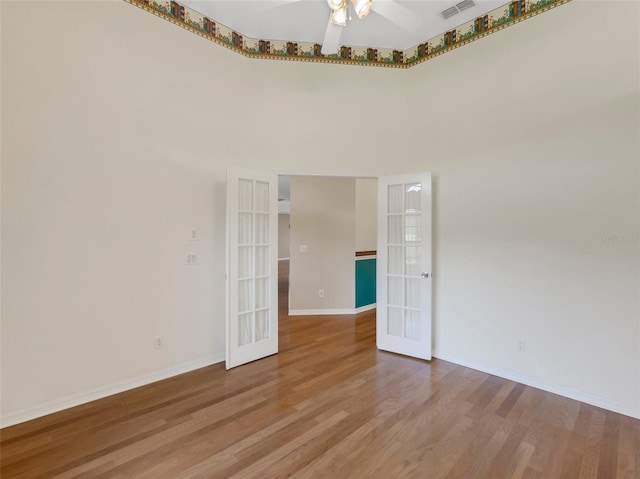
(329, 405)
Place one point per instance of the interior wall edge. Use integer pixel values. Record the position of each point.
(331, 312)
(78, 399)
(594, 400)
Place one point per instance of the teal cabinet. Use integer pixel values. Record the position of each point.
(365, 282)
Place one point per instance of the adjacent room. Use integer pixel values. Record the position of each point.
(147, 326)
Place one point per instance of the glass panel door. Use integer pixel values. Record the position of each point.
(404, 257)
(252, 327)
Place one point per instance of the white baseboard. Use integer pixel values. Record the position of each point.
(40, 410)
(366, 307)
(621, 408)
(99, 393)
(283, 259)
(320, 312)
(329, 312)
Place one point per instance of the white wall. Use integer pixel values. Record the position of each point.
(366, 214)
(323, 219)
(283, 236)
(117, 129)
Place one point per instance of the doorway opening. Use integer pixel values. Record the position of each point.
(327, 233)
(322, 258)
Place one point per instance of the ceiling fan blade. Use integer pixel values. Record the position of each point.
(264, 5)
(396, 13)
(331, 42)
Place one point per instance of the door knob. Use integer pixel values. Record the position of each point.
(424, 275)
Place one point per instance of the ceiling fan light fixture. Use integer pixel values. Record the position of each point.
(362, 7)
(336, 4)
(339, 16)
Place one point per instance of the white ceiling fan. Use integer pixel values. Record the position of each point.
(341, 12)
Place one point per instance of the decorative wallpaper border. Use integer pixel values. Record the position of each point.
(497, 19)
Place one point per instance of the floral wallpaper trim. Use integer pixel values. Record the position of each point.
(499, 18)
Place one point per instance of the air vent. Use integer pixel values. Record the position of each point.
(450, 12)
(460, 7)
(465, 4)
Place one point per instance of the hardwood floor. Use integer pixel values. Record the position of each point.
(329, 405)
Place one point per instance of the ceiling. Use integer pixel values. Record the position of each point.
(295, 29)
(306, 20)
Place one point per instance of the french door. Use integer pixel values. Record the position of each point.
(252, 266)
(404, 265)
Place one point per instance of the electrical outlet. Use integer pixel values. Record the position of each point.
(304, 249)
(194, 234)
(321, 293)
(158, 341)
(521, 346)
(192, 259)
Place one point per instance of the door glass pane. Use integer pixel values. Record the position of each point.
(412, 228)
(245, 295)
(395, 229)
(262, 228)
(412, 198)
(394, 321)
(262, 260)
(395, 260)
(395, 291)
(262, 196)
(412, 260)
(245, 269)
(412, 324)
(245, 228)
(262, 325)
(395, 198)
(245, 195)
(245, 329)
(262, 293)
(412, 292)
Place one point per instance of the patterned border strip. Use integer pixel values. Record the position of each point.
(509, 14)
